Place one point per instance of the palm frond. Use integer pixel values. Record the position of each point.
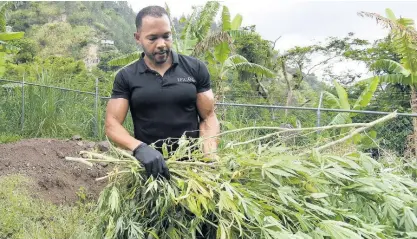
(340, 118)
(367, 94)
(189, 23)
(240, 33)
(397, 79)
(237, 59)
(393, 25)
(343, 97)
(206, 18)
(390, 66)
(211, 40)
(331, 100)
(403, 35)
(236, 22)
(124, 60)
(174, 32)
(254, 68)
(226, 25)
(221, 52)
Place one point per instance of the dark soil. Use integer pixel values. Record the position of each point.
(54, 178)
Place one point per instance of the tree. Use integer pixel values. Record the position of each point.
(299, 60)
(5, 37)
(403, 37)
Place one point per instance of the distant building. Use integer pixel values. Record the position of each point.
(107, 42)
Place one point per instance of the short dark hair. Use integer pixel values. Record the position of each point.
(154, 11)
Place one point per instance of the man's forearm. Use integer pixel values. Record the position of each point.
(209, 128)
(117, 133)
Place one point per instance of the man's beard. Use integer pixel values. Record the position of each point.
(158, 57)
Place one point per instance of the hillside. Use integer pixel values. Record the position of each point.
(83, 30)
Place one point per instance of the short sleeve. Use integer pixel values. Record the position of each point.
(203, 81)
(120, 87)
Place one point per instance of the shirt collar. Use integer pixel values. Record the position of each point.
(143, 67)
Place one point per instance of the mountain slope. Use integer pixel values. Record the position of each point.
(69, 28)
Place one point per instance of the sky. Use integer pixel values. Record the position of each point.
(302, 22)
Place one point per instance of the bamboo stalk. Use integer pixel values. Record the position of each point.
(101, 156)
(124, 153)
(111, 175)
(281, 129)
(212, 165)
(80, 160)
(357, 131)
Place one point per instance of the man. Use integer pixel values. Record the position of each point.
(169, 95)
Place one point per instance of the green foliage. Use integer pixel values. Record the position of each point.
(28, 50)
(403, 38)
(124, 60)
(23, 216)
(343, 102)
(62, 39)
(5, 37)
(104, 20)
(260, 191)
(8, 138)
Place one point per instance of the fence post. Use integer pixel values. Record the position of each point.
(96, 110)
(318, 109)
(22, 118)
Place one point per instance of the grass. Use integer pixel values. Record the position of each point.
(52, 113)
(8, 138)
(23, 216)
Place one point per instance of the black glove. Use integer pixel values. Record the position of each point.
(152, 160)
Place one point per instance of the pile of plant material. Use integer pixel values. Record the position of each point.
(262, 192)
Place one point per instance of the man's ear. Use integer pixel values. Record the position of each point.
(137, 36)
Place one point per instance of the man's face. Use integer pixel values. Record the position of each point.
(155, 38)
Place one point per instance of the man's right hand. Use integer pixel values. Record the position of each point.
(152, 160)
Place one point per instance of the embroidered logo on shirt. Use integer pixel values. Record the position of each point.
(186, 79)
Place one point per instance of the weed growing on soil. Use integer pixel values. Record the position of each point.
(24, 216)
(8, 138)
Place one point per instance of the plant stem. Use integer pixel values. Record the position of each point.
(80, 160)
(111, 175)
(100, 156)
(83, 160)
(357, 131)
(212, 165)
(281, 129)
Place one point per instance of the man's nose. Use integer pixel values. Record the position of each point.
(160, 42)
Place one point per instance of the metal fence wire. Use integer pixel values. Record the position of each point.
(34, 110)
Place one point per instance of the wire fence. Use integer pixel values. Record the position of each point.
(35, 110)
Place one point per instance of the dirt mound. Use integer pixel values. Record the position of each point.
(55, 178)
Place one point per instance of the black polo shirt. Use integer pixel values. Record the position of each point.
(163, 108)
